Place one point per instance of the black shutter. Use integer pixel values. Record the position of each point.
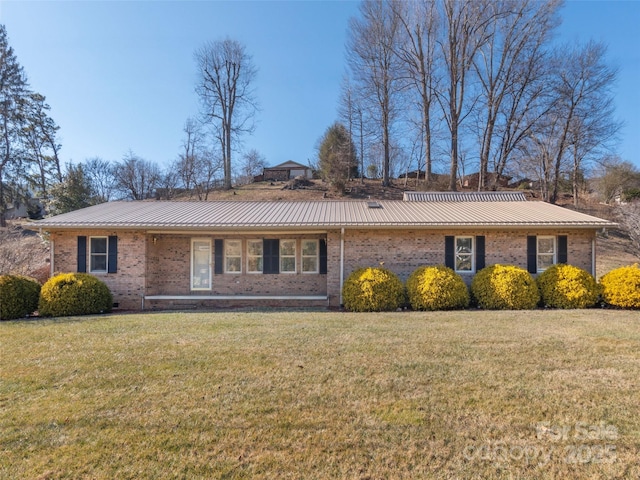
(112, 254)
(479, 252)
(271, 255)
(562, 249)
(218, 246)
(323, 255)
(450, 251)
(82, 254)
(532, 254)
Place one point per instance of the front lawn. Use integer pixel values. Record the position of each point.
(531, 394)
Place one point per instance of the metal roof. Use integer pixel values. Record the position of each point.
(464, 197)
(237, 215)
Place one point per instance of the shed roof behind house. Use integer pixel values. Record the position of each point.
(240, 215)
(464, 197)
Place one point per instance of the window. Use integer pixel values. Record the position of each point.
(287, 256)
(254, 256)
(99, 249)
(464, 254)
(310, 253)
(546, 249)
(233, 256)
(200, 264)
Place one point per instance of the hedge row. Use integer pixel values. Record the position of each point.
(63, 295)
(497, 287)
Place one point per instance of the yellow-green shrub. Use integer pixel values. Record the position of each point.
(437, 288)
(566, 286)
(372, 290)
(74, 294)
(621, 287)
(18, 296)
(505, 287)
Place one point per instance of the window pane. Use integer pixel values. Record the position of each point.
(254, 247)
(310, 247)
(99, 245)
(287, 247)
(287, 264)
(464, 244)
(255, 264)
(233, 264)
(98, 263)
(545, 245)
(545, 261)
(309, 264)
(233, 248)
(463, 263)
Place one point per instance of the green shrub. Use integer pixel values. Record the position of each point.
(621, 287)
(372, 290)
(566, 286)
(505, 287)
(18, 296)
(74, 294)
(437, 288)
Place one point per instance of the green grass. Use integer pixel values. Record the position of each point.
(536, 394)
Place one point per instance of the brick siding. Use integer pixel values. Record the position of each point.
(162, 267)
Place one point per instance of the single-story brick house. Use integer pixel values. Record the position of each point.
(157, 254)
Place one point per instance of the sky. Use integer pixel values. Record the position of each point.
(120, 75)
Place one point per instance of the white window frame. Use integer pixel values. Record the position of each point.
(538, 254)
(472, 255)
(250, 256)
(316, 256)
(227, 257)
(105, 254)
(282, 257)
(202, 242)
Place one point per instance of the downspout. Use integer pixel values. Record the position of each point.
(593, 257)
(341, 262)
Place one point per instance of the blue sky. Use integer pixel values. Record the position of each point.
(120, 76)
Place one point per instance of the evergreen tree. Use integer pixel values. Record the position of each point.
(337, 156)
(13, 91)
(73, 193)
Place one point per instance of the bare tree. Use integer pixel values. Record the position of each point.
(581, 112)
(253, 163)
(420, 22)
(616, 178)
(225, 87)
(351, 112)
(188, 163)
(209, 166)
(507, 66)
(464, 32)
(375, 68)
(101, 176)
(136, 178)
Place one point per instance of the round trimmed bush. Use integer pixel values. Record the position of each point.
(505, 287)
(372, 290)
(18, 296)
(74, 294)
(621, 287)
(566, 286)
(437, 288)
